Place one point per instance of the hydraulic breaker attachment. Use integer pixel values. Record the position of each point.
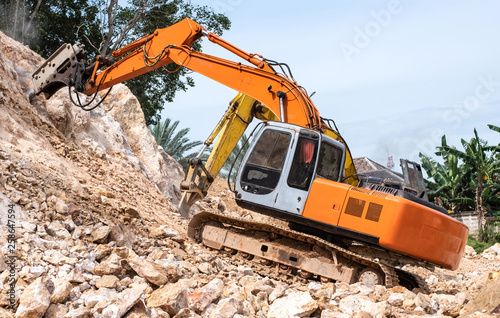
(66, 67)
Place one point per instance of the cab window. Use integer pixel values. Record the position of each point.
(304, 159)
(330, 162)
(265, 164)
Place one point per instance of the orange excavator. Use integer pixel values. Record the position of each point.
(298, 169)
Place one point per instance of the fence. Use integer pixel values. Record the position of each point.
(469, 219)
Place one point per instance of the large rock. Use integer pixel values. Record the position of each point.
(293, 304)
(151, 271)
(199, 299)
(102, 251)
(4, 313)
(492, 252)
(356, 303)
(227, 308)
(488, 299)
(423, 301)
(170, 297)
(111, 265)
(164, 172)
(34, 300)
(57, 139)
(56, 311)
(81, 312)
(450, 305)
(255, 285)
(107, 281)
(62, 288)
(126, 300)
(105, 296)
(100, 234)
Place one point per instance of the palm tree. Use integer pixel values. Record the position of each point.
(495, 128)
(175, 143)
(235, 159)
(447, 187)
(481, 162)
(491, 194)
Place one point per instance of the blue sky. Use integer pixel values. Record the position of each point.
(395, 75)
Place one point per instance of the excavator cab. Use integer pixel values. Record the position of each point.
(278, 170)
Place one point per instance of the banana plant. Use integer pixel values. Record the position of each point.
(448, 179)
(481, 162)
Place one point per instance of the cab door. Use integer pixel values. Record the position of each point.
(263, 168)
(300, 171)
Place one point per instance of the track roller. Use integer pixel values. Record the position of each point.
(266, 262)
(325, 280)
(304, 274)
(230, 251)
(247, 256)
(370, 277)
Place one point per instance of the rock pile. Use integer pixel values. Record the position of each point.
(94, 233)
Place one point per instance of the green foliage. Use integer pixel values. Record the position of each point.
(485, 238)
(447, 187)
(234, 159)
(45, 25)
(477, 245)
(491, 232)
(467, 179)
(494, 128)
(154, 89)
(175, 143)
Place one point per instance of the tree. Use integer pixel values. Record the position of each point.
(234, 159)
(16, 17)
(495, 128)
(142, 17)
(491, 194)
(103, 26)
(449, 188)
(175, 143)
(481, 162)
(45, 25)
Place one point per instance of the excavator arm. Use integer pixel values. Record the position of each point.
(285, 98)
(264, 93)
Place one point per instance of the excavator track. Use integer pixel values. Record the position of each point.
(293, 253)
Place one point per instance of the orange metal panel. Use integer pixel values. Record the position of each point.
(355, 214)
(401, 225)
(406, 227)
(325, 201)
(425, 233)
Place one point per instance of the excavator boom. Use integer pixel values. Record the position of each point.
(285, 98)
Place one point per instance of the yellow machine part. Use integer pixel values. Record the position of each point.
(229, 129)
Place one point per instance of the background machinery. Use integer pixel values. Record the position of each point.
(298, 168)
